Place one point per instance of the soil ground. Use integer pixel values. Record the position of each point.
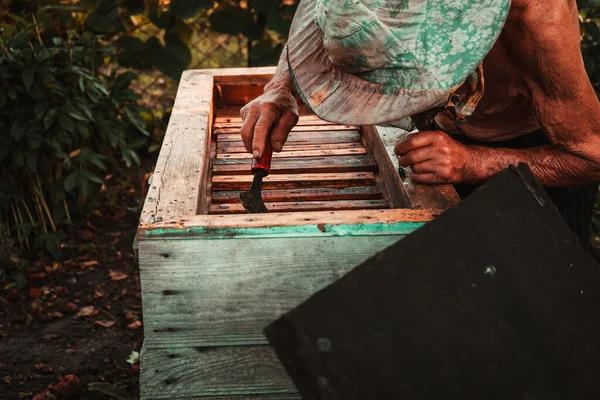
(79, 319)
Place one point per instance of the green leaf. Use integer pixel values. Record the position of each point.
(28, 76)
(123, 81)
(50, 118)
(72, 181)
(182, 31)
(83, 130)
(136, 121)
(189, 8)
(66, 122)
(91, 177)
(31, 160)
(18, 130)
(132, 53)
(40, 110)
(234, 20)
(161, 19)
(173, 59)
(19, 38)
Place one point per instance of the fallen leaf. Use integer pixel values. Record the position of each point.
(45, 396)
(106, 324)
(35, 293)
(71, 306)
(130, 315)
(69, 386)
(49, 336)
(90, 263)
(55, 315)
(98, 293)
(134, 357)
(116, 275)
(86, 312)
(36, 275)
(134, 325)
(87, 235)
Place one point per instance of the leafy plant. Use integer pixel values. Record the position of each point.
(63, 119)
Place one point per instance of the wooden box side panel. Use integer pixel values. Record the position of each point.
(178, 182)
(206, 302)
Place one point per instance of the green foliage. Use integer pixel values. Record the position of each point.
(63, 121)
(589, 13)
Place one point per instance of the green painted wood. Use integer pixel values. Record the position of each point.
(247, 372)
(224, 292)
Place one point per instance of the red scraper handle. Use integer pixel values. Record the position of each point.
(264, 162)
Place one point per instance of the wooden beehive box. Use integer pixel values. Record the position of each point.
(213, 276)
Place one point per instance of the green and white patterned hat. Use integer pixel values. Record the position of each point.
(379, 61)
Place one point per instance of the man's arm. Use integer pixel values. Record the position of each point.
(543, 40)
(272, 115)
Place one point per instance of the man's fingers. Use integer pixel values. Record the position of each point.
(250, 116)
(263, 126)
(416, 156)
(427, 178)
(414, 141)
(281, 130)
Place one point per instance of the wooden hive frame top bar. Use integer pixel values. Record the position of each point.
(176, 200)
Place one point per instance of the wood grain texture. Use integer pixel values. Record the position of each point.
(294, 181)
(298, 206)
(185, 372)
(272, 220)
(316, 194)
(303, 137)
(235, 147)
(432, 197)
(297, 128)
(303, 165)
(236, 122)
(178, 184)
(223, 292)
(299, 153)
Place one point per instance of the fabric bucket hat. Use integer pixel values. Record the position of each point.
(380, 61)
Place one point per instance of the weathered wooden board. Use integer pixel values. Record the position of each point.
(298, 206)
(303, 165)
(233, 147)
(177, 184)
(297, 128)
(299, 153)
(206, 371)
(224, 292)
(316, 194)
(303, 137)
(294, 181)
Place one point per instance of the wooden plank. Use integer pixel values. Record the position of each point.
(210, 225)
(303, 137)
(304, 165)
(236, 122)
(185, 372)
(316, 194)
(298, 153)
(178, 185)
(223, 111)
(298, 128)
(199, 292)
(433, 197)
(293, 181)
(238, 147)
(298, 206)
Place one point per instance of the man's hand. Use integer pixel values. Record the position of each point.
(434, 157)
(271, 116)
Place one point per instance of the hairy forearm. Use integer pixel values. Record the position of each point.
(552, 166)
(281, 80)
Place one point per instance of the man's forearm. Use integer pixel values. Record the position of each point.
(281, 80)
(552, 166)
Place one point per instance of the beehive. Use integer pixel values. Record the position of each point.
(213, 276)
